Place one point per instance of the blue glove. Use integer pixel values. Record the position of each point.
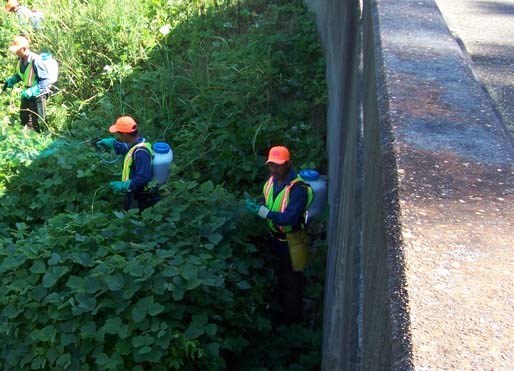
(106, 142)
(30, 92)
(118, 186)
(11, 81)
(252, 207)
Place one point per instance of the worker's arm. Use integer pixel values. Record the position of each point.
(120, 148)
(42, 74)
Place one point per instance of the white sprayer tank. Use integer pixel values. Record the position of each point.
(319, 190)
(162, 159)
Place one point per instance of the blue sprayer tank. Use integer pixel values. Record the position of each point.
(319, 190)
(162, 159)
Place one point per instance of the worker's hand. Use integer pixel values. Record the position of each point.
(119, 186)
(30, 92)
(11, 81)
(106, 143)
(263, 212)
(252, 207)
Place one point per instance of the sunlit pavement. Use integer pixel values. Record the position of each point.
(485, 28)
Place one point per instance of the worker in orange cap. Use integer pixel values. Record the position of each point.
(286, 199)
(35, 77)
(25, 15)
(137, 164)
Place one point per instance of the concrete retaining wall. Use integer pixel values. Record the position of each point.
(421, 196)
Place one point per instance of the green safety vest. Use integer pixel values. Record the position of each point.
(29, 78)
(127, 162)
(279, 204)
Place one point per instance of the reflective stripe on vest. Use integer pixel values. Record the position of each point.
(279, 204)
(127, 162)
(28, 77)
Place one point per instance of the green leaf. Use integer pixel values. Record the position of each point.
(102, 359)
(123, 347)
(38, 267)
(88, 330)
(85, 302)
(145, 350)
(37, 363)
(170, 271)
(114, 282)
(112, 325)
(119, 214)
(200, 319)
(193, 283)
(39, 292)
(123, 332)
(47, 333)
(64, 361)
(52, 276)
(21, 226)
(92, 285)
(10, 311)
(53, 298)
(193, 331)
(75, 283)
(134, 269)
(188, 271)
(54, 259)
(130, 290)
(207, 187)
(139, 341)
(82, 258)
(177, 294)
(79, 237)
(215, 238)
(243, 285)
(155, 309)
(210, 329)
(213, 349)
(67, 339)
(138, 314)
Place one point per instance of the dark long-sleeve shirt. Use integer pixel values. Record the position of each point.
(297, 202)
(141, 169)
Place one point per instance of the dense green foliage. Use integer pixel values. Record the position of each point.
(185, 285)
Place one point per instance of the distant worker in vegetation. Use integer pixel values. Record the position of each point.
(137, 164)
(286, 199)
(25, 16)
(33, 72)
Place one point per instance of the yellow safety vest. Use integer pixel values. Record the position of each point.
(28, 77)
(127, 162)
(282, 200)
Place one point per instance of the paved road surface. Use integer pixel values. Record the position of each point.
(486, 29)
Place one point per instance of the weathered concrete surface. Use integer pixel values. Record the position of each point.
(338, 22)
(485, 29)
(455, 176)
(421, 228)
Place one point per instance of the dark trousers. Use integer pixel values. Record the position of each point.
(141, 200)
(32, 111)
(290, 284)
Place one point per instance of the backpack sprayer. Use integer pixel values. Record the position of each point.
(161, 160)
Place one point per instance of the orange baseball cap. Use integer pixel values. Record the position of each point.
(278, 155)
(11, 5)
(18, 43)
(124, 124)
